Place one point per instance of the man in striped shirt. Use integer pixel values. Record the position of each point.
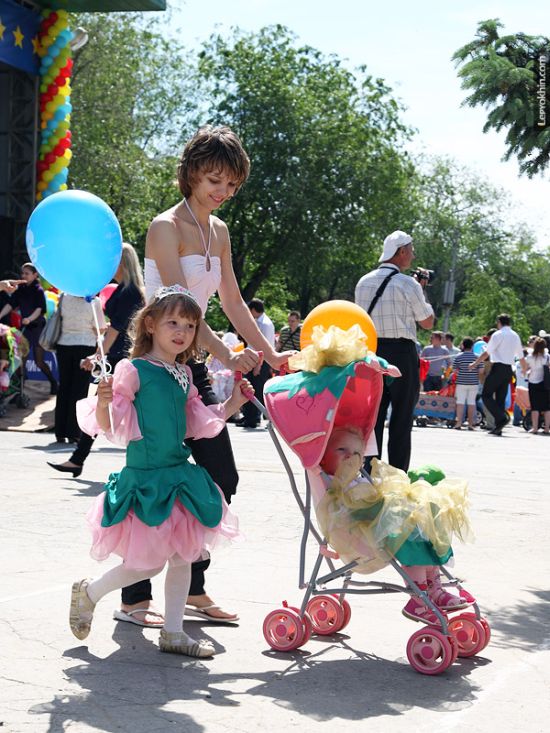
(396, 303)
(289, 337)
(467, 384)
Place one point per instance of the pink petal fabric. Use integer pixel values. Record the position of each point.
(125, 422)
(144, 548)
(203, 421)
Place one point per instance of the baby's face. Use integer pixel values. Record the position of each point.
(341, 446)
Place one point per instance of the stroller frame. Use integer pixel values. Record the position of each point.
(464, 635)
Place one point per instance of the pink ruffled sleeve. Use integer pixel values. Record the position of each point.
(203, 421)
(125, 423)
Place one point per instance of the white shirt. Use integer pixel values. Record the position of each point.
(536, 363)
(201, 282)
(265, 324)
(504, 347)
(401, 305)
(77, 321)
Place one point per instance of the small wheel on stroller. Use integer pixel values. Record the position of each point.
(3, 410)
(284, 630)
(346, 608)
(469, 631)
(422, 422)
(429, 651)
(327, 614)
(527, 422)
(23, 400)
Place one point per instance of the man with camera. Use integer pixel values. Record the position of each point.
(396, 303)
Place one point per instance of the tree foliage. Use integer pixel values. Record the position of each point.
(329, 173)
(502, 74)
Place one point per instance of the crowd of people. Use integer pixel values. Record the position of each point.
(154, 337)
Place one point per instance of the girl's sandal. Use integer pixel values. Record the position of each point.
(179, 643)
(82, 610)
(418, 611)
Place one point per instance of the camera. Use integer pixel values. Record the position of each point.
(423, 275)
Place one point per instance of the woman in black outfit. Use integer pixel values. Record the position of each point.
(31, 302)
(121, 306)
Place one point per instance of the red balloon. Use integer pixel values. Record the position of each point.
(59, 150)
(50, 158)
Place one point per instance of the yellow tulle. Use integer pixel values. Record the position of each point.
(369, 522)
(330, 347)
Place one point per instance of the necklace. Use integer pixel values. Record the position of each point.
(176, 369)
(206, 247)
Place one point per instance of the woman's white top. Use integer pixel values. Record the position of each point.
(77, 321)
(201, 282)
(536, 363)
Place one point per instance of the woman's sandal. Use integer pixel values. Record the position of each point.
(179, 643)
(82, 610)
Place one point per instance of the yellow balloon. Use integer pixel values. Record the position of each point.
(341, 313)
(68, 154)
(39, 196)
(41, 185)
(48, 175)
(63, 187)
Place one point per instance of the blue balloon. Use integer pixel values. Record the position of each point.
(479, 348)
(74, 241)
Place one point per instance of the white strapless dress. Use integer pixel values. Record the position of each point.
(201, 282)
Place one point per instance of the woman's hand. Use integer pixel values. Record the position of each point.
(243, 361)
(25, 321)
(278, 361)
(105, 393)
(10, 285)
(87, 364)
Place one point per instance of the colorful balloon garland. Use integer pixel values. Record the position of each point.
(55, 103)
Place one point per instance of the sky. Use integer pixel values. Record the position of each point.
(410, 46)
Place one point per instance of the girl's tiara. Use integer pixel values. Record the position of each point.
(174, 290)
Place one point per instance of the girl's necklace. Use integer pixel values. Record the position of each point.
(206, 247)
(176, 369)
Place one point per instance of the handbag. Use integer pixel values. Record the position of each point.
(51, 332)
(546, 375)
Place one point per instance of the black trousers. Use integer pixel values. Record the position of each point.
(216, 456)
(494, 392)
(73, 386)
(402, 395)
(85, 442)
(251, 414)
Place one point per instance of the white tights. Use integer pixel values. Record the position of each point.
(176, 588)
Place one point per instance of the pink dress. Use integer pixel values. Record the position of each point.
(160, 506)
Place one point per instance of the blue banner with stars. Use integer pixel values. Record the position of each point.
(19, 43)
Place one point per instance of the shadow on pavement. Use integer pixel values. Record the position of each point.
(135, 687)
(525, 625)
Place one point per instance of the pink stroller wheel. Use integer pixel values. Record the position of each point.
(429, 651)
(470, 634)
(327, 614)
(284, 630)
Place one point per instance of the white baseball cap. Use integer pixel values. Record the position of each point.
(392, 243)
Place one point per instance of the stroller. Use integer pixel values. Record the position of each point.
(304, 408)
(14, 348)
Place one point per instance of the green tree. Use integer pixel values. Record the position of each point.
(329, 174)
(501, 72)
(132, 104)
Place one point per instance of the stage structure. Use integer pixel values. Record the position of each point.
(35, 138)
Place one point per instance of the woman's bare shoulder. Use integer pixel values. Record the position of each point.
(220, 229)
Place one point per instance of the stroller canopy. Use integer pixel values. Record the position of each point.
(305, 407)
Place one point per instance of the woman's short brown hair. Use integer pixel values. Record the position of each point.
(212, 149)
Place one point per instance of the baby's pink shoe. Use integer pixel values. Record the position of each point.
(418, 611)
(447, 601)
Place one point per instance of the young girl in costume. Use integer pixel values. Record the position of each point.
(160, 508)
(411, 517)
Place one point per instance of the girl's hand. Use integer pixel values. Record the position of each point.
(105, 392)
(243, 361)
(242, 391)
(87, 364)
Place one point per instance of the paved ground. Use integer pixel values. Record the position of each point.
(118, 681)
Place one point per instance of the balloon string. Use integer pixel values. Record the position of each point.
(104, 368)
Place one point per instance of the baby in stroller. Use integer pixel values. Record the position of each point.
(326, 415)
(412, 522)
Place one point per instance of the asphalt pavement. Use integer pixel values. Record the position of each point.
(358, 679)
